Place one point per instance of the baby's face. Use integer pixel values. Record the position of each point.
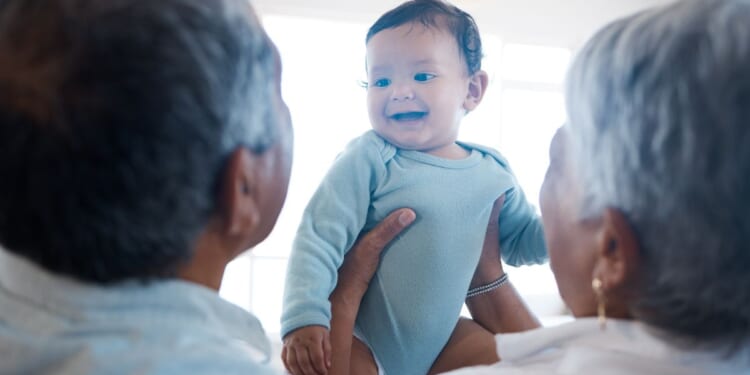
(418, 86)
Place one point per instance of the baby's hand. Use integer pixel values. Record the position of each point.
(307, 351)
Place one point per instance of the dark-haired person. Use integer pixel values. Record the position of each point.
(644, 207)
(424, 76)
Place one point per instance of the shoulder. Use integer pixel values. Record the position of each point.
(201, 363)
(163, 327)
(213, 350)
(369, 146)
(197, 354)
(488, 151)
(116, 355)
(625, 346)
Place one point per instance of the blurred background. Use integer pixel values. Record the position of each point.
(528, 46)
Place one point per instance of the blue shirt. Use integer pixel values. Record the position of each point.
(55, 325)
(415, 297)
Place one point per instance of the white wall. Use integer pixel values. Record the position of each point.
(565, 23)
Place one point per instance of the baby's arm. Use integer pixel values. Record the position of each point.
(330, 225)
(521, 233)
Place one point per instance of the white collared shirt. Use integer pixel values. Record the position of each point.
(623, 347)
(55, 325)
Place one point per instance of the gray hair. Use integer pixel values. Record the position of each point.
(116, 119)
(659, 117)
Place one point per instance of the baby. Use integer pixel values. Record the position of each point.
(424, 75)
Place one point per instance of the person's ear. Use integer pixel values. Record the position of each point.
(617, 253)
(239, 206)
(477, 86)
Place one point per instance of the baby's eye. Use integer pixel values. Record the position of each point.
(382, 82)
(423, 77)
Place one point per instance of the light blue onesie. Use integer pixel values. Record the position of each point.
(415, 299)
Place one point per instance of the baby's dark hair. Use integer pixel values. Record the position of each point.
(438, 14)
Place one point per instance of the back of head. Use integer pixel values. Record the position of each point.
(115, 120)
(659, 110)
(440, 15)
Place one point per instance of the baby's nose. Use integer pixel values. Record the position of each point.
(402, 92)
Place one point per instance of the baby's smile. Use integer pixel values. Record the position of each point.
(408, 116)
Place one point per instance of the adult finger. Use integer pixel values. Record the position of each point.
(383, 233)
(362, 260)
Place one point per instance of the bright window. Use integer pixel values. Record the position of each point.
(522, 108)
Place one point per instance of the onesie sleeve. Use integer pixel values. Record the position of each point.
(521, 234)
(330, 224)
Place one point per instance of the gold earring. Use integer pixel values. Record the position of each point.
(596, 284)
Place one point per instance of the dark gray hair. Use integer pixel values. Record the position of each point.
(116, 118)
(659, 115)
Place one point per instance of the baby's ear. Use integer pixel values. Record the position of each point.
(477, 86)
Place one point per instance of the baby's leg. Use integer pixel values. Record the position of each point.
(362, 361)
(470, 344)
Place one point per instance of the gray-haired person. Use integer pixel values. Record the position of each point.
(644, 206)
(143, 145)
